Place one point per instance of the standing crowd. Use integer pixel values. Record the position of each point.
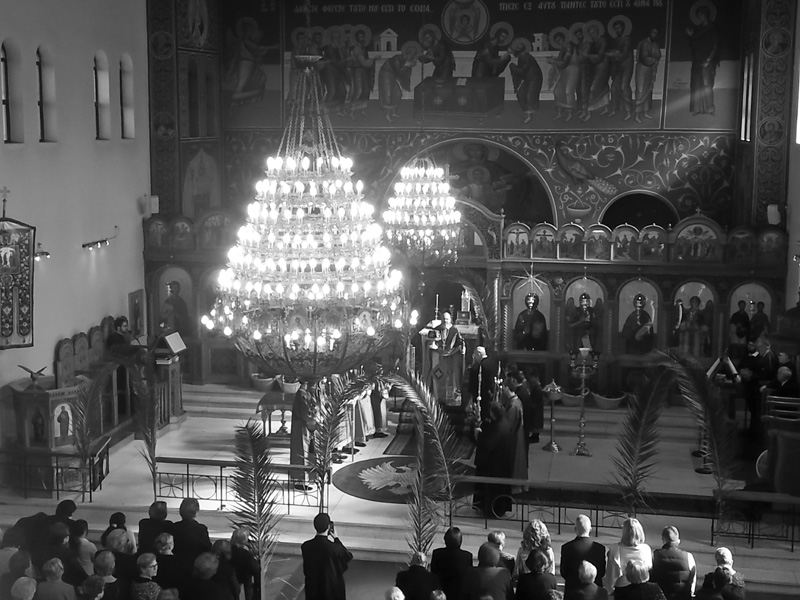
(49, 557)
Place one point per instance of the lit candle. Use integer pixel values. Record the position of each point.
(436, 308)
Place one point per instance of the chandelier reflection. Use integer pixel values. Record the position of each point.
(308, 291)
(421, 218)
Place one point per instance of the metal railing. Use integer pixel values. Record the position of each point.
(209, 479)
(56, 473)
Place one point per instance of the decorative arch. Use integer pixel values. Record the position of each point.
(639, 209)
(488, 176)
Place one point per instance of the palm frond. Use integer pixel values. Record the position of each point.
(423, 516)
(254, 483)
(332, 398)
(637, 445)
(703, 400)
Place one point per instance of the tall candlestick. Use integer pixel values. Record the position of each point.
(436, 308)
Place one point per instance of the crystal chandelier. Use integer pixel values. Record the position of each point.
(308, 291)
(421, 218)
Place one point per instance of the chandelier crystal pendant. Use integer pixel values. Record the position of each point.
(421, 218)
(308, 291)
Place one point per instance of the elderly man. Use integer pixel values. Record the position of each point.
(732, 590)
(582, 548)
(417, 582)
(674, 570)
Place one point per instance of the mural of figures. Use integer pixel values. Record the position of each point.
(693, 319)
(251, 77)
(530, 328)
(638, 317)
(584, 315)
(174, 299)
(648, 55)
(202, 186)
(395, 76)
(751, 305)
(436, 52)
(534, 65)
(62, 424)
(703, 86)
(495, 178)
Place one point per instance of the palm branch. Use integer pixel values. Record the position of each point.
(703, 400)
(332, 398)
(86, 418)
(254, 483)
(637, 445)
(423, 514)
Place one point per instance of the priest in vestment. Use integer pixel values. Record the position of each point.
(451, 360)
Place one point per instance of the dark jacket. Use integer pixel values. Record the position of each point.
(449, 565)
(417, 583)
(191, 539)
(671, 571)
(324, 564)
(574, 552)
(149, 530)
(535, 586)
(495, 581)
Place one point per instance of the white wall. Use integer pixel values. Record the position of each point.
(77, 189)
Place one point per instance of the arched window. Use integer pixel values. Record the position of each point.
(126, 97)
(46, 81)
(5, 97)
(102, 97)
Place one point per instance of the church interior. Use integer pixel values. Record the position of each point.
(577, 189)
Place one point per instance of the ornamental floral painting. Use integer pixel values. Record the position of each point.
(16, 283)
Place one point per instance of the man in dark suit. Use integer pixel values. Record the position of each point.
(417, 582)
(487, 579)
(451, 562)
(190, 537)
(324, 562)
(582, 548)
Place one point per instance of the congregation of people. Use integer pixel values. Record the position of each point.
(50, 557)
(628, 570)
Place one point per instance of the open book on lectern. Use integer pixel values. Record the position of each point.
(174, 342)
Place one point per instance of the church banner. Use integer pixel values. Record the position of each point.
(16, 283)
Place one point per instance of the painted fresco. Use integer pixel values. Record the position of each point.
(469, 63)
(251, 73)
(704, 74)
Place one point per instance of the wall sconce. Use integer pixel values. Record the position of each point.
(96, 245)
(40, 254)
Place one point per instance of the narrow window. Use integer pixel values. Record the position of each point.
(126, 101)
(40, 93)
(46, 82)
(102, 97)
(4, 94)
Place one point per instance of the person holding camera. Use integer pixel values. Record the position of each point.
(325, 560)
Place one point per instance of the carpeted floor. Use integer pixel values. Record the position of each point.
(404, 444)
(384, 479)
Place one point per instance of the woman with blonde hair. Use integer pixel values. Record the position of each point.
(631, 547)
(535, 536)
